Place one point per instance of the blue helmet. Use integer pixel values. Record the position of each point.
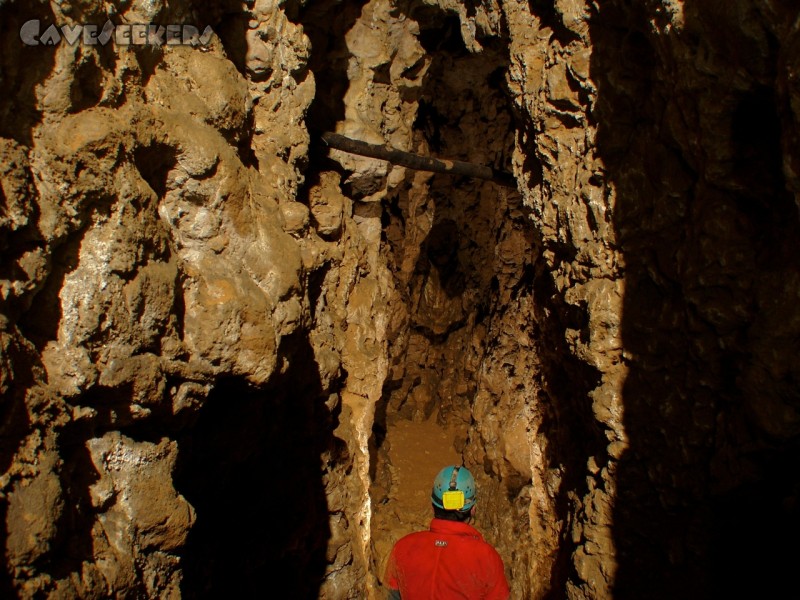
(454, 489)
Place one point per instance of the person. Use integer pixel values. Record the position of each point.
(451, 560)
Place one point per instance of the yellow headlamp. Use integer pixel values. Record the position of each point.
(453, 500)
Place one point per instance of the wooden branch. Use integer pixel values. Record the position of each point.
(415, 161)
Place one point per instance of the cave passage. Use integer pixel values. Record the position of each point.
(441, 234)
(251, 467)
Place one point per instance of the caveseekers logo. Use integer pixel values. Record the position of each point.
(136, 34)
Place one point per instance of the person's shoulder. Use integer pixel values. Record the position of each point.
(413, 538)
(492, 555)
(485, 547)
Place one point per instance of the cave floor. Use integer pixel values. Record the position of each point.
(417, 451)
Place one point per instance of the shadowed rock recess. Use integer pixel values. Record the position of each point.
(211, 324)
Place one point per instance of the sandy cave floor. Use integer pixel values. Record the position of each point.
(417, 451)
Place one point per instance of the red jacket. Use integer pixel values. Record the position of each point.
(450, 561)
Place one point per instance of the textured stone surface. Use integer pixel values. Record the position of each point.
(152, 248)
(199, 306)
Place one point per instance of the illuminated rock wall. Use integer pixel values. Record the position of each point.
(209, 321)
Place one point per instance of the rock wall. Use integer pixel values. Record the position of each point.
(209, 321)
(707, 220)
(668, 211)
(174, 327)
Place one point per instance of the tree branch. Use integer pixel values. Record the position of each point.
(415, 161)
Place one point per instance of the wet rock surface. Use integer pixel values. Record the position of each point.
(217, 337)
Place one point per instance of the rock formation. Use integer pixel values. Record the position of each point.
(209, 321)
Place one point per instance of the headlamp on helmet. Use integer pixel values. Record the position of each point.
(454, 489)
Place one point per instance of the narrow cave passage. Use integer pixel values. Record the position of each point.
(251, 466)
(476, 370)
(441, 236)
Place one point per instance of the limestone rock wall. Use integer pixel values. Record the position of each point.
(157, 269)
(205, 315)
(666, 198)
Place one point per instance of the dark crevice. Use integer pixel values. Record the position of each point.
(756, 138)
(251, 466)
(21, 70)
(231, 30)
(154, 163)
(74, 544)
(550, 18)
(41, 322)
(231, 23)
(325, 24)
(314, 287)
(244, 143)
(430, 122)
(148, 57)
(87, 87)
(440, 33)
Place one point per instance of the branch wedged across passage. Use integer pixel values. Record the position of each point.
(415, 161)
